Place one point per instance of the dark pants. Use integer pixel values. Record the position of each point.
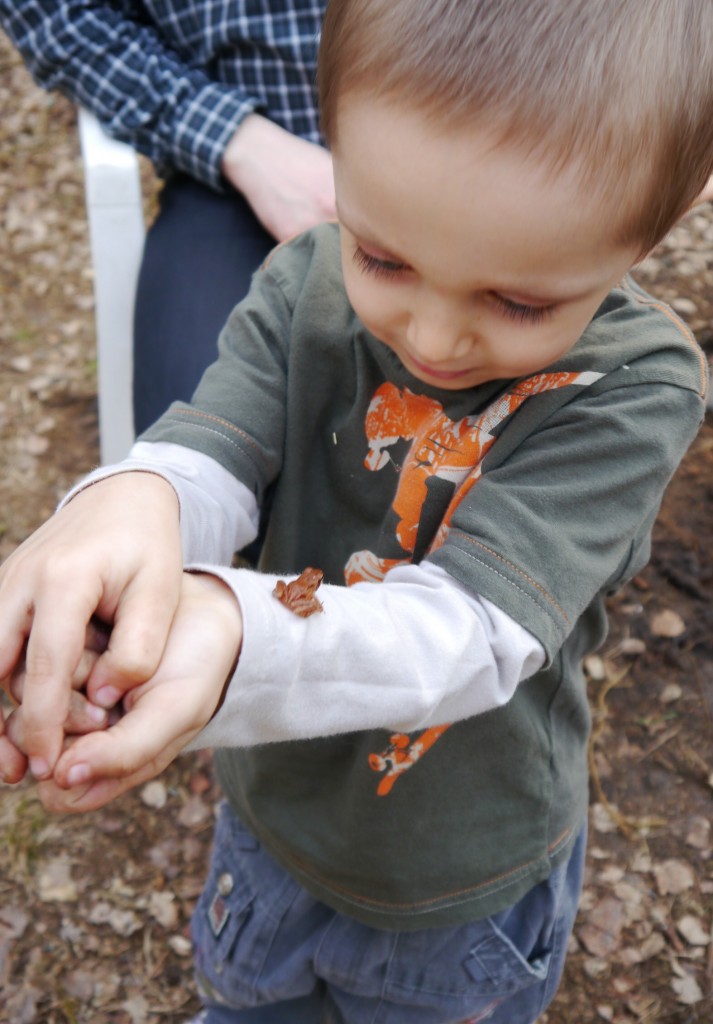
(200, 255)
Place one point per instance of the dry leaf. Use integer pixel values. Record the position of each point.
(601, 818)
(673, 877)
(601, 933)
(54, 884)
(15, 920)
(80, 985)
(691, 929)
(162, 906)
(687, 990)
(652, 946)
(194, 812)
(699, 834)
(137, 1009)
(667, 623)
(123, 922)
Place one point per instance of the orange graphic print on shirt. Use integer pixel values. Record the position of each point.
(442, 449)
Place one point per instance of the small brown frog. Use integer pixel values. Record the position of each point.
(299, 594)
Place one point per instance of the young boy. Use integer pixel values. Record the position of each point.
(465, 414)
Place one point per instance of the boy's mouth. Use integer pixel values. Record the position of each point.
(430, 371)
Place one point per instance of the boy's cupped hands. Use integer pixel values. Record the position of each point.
(113, 555)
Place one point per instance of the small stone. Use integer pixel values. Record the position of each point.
(668, 624)
(154, 794)
(594, 667)
(671, 693)
(684, 306)
(180, 945)
(631, 645)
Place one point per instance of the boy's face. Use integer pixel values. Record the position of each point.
(468, 260)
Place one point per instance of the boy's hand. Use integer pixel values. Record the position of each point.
(82, 716)
(114, 552)
(162, 715)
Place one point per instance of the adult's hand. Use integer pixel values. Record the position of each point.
(287, 180)
(162, 715)
(113, 552)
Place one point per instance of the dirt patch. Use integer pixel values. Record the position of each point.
(94, 910)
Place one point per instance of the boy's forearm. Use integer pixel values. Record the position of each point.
(405, 654)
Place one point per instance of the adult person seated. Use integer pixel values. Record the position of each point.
(221, 97)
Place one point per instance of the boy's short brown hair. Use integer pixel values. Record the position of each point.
(623, 89)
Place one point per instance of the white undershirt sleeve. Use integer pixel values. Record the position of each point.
(413, 651)
(219, 514)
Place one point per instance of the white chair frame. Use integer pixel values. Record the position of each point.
(116, 232)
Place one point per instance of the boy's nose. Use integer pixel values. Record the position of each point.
(438, 333)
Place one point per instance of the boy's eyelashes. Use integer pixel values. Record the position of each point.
(374, 265)
(521, 312)
(518, 311)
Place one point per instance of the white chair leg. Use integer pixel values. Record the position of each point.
(116, 231)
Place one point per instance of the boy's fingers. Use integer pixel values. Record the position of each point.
(137, 641)
(90, 797)
(13, 764)
(54, 651)
(144, 741)
(87, 661)
(83, 717)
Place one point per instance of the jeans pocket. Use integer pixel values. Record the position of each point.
(221, 915)
(500, 968)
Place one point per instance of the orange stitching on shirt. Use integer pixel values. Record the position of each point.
(436, 899)
(520, 572)
(216, 419)
(662, 308)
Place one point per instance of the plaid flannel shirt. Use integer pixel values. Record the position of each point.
(176, 77)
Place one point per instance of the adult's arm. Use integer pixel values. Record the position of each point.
(103, 57)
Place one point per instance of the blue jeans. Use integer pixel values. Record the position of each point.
(268, 953)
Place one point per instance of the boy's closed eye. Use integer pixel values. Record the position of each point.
(378, 265)
(522, 312)
(389, 268)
